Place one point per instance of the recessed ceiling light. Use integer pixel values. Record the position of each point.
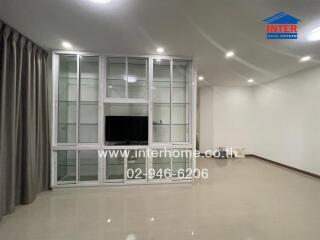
(315, 34)
(151, 219)
(250, 80)
(100, 1)
(201, 78)
(229, 54)
(160, 50)
(66, 45)
(108, 220)
(305, 58)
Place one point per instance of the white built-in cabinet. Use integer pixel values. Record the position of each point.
(88, 87)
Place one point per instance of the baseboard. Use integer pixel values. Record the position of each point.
(286, 166)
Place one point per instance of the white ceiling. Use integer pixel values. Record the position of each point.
(204, 29)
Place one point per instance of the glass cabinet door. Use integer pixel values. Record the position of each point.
(182, 164)
(114, 166)
(180, 101)
(66, 166)
(88, 165)
(161, 95)
(161, 163)
(89, 97)
(137, 78)
(136, 165)
(116, 77)
(67, 99)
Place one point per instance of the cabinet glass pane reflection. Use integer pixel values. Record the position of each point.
(88, 165)
(180, 101)
(137, 78)
(137, 162)
(115, 165)
(66, 166)
(161, 100)
(89, 96)
(67, 99)
(116, 77)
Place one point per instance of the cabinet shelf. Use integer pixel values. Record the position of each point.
(88, 102)
(88, 164)
(71, 78)
(81, 102)
(138, 80)
(124, 80)
(67, 101)
(171, 103)
(83, 81)
(89, 78)
(126, 101)
(131, 85)
(175, 81)
(130, 63)
(155, 88)
(114, 164)
(66, 165)
(137, 86)
(116, 79)
(81, 78)
(82, 84)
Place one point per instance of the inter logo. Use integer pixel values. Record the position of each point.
(281, 26)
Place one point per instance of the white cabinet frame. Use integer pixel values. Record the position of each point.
(102, 100)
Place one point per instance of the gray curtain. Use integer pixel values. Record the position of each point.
(24, 120)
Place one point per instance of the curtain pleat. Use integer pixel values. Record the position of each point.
(24, 120)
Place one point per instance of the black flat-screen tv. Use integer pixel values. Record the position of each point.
(126, 130)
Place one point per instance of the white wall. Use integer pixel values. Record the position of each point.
(232, 117)
(225, 118)
(279, 120)
(206, 119)
(287, 120)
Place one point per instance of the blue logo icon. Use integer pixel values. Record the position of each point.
(281, 26)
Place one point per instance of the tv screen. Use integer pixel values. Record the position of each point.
(126, 130)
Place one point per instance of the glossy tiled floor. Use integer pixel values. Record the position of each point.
(244, 199)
